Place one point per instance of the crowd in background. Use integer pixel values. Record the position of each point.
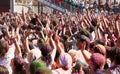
(57, 43)
(97, 6)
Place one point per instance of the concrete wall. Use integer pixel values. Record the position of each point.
(18, 8)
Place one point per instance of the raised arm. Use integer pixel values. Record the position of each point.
(53, 53)
(60, 46)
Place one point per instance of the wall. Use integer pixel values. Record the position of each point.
(4, 5)
(18, 8)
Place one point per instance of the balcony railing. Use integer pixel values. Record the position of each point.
(61, 6)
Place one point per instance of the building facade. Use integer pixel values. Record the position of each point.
(4, 5)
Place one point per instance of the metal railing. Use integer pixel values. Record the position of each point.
(60, 6)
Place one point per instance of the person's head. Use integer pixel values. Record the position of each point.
(3, 70)
(43, 71)
(46, 49)
(3, 47)
(114, 55)
(118, 42)
(94, 22)
(85, 32)
(97, 61)
(92, 28)
(40, 42)
(19, 65)
(99, 49)
(33, 21)
(84, 66)
(36, 64)
(44, 22)
(99, 41)
(82, 41)
(65, 61)
(73, 55)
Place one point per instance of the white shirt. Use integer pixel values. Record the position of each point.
(6, 60)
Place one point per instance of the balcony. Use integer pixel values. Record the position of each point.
(60, 6)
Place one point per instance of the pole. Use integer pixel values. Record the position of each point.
(12, 5)
(38, 7)
(41, 8)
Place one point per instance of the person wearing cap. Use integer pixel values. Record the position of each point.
(65, 61)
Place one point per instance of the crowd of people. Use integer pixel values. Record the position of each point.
(57, 43)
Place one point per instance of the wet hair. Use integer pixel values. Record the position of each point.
(114, 54)
(19, 63)
(40, 42)
(3, 47)
(46, 50)
(43, 71)
(92, 28)
(92, 44)
(98, 41)
(44, 22)
(3, 70)
(4, 32)
(94, 22)
(54, 23)
(33, 21)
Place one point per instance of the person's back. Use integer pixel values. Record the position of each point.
(7, 54)
(115, 60)
(19, 65)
